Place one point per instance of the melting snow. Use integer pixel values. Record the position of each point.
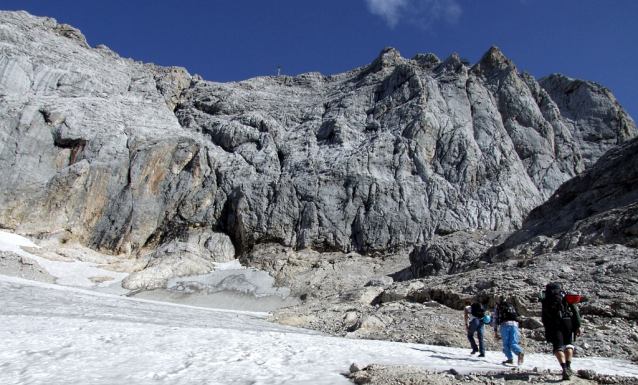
(54, 334)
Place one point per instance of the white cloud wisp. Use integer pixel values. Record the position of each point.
(389, 10)
(422, 13)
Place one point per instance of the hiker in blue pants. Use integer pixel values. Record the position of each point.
(505, 317)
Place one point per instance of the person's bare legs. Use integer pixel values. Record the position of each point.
(569, 354)
(565, 360)
(560, 355)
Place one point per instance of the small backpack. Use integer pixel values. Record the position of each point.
(478, 311)
(506, 312)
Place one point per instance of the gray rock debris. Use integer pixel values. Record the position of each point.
(390, 375)
(453, 253)
(429, 310)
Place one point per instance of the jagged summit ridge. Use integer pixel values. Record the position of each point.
(126, 157)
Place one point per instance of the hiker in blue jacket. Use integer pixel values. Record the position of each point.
(506, 318)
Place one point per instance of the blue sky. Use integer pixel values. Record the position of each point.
(232, 40)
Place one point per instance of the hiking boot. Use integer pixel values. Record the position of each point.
(521, 358)
(569, 371)
(508, 362)
(482, 355)
(474, 352)
(567, 374)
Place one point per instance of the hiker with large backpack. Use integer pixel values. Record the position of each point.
(561, 320)
(506, 319)
(473, 315)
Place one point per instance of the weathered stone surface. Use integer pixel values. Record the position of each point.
(310, 274)
(599, 206)
(386, 155)
(581, 101)
(416, 375)
(429, 310)
(130, 157)
(575, 238)
(12, 264)
(88, 142)
(178, 259)
(453, 253)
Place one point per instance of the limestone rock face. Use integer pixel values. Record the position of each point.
(129, 157)
(387, 155)
(89, 144)
(581, 101)
(599, 206)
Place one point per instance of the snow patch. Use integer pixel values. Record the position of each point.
(76, 273)
(61, 335)
(229, 286)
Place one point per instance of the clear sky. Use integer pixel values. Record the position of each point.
(232, 40)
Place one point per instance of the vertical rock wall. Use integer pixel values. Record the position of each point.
(125, 156)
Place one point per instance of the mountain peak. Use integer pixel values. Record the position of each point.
(388, 57)
(494, 60)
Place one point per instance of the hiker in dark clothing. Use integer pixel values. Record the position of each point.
(506, 318)
(561, 320)
(473, 315)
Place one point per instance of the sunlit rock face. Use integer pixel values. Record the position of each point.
(598, 207)
(125, 157)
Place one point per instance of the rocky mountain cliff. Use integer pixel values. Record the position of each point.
(584, 236)
(597, 207)
(151, 162)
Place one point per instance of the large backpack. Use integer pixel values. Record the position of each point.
(506, 312)
(555, 308)
(478, 310)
